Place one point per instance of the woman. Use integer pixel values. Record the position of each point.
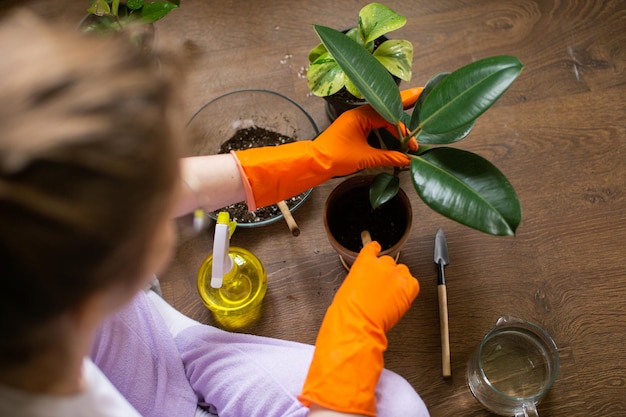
(89, 183)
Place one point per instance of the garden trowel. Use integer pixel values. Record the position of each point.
(441, 259)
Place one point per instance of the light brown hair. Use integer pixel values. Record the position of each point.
(87, 162)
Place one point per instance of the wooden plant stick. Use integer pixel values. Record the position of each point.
(291, 223)
(446, 371)
(365, 237)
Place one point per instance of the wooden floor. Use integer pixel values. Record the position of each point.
(559, 134)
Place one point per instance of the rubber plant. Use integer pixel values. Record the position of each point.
(115, 15)
(458, 184)
(326, 77)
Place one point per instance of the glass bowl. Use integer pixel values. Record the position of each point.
(249, 110)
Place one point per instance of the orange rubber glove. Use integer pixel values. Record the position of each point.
(271, 174)
(348, 357)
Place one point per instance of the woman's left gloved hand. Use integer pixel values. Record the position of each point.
(348, 357)
(272, 174)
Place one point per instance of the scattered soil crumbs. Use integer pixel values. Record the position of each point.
(254, 137)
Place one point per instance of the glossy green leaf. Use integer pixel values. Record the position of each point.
(467, 92)
(369, 76)
(134, 4)
(316, 52)
(353, 33)
(397, 57)
(468, 189)
(325, 76)
(99, 8)
(430, 84)
(376, 19)
(384, 187)
(151, 12)
(352, 89)
(451, 136)
(115, 7)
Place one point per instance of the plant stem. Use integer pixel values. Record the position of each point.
(403, 141)
(415, 133)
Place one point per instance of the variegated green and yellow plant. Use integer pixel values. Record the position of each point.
(115, 15)
(458, 184)
(326, 77)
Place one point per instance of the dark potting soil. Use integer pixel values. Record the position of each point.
(353, 213)
(254, 137)
(345, 96)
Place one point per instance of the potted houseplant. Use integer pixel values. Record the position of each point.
(326, 78)
(136, 16)
(350, 220)
(458, 184)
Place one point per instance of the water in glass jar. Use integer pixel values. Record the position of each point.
(516, 363)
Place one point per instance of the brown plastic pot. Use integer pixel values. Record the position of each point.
(347, 212)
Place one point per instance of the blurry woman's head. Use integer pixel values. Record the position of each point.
(88, 167)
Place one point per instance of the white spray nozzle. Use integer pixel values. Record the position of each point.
(222, 263)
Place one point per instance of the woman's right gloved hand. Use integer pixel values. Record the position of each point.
(348, 357)
(271, 174)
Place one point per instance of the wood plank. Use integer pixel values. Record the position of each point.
(558, 134)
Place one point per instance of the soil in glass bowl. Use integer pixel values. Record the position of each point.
(254, 137)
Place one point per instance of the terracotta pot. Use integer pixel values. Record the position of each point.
(348, 212)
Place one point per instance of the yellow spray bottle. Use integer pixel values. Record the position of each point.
(232, 280)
